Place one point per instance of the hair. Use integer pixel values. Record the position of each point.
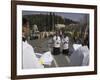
(24, 21)
(85, 42)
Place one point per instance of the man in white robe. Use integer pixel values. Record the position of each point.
(65, 44)
(80, 56)
(29, 59)
(56, 44)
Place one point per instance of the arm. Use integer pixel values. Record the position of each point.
(29, 59)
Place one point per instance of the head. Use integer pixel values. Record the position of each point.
(57, 33)
(65, 34)
(25, 27)
(85, 42)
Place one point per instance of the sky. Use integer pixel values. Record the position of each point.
(72, 16)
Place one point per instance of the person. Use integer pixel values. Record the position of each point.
(65, 44)
(80, 56)
(56, 44)
(85, 50)
(86, 39)
(50, 42)
(29, 59)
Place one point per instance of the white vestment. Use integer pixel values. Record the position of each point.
(29, 59)
(80, 56)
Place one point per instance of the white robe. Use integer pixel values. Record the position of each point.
(29, 59)
(80, 57)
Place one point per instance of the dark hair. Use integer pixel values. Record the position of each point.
(85, 42)
(24, 21)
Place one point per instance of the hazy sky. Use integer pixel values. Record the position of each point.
(72, 16)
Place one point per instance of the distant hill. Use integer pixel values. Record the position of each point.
(47, 22)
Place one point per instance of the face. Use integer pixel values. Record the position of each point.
(26, 29)
(57, 33)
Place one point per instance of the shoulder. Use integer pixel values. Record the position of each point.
(59, 37)
(26, 45)
(67, 38)
(85, 48)
(54, 37)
